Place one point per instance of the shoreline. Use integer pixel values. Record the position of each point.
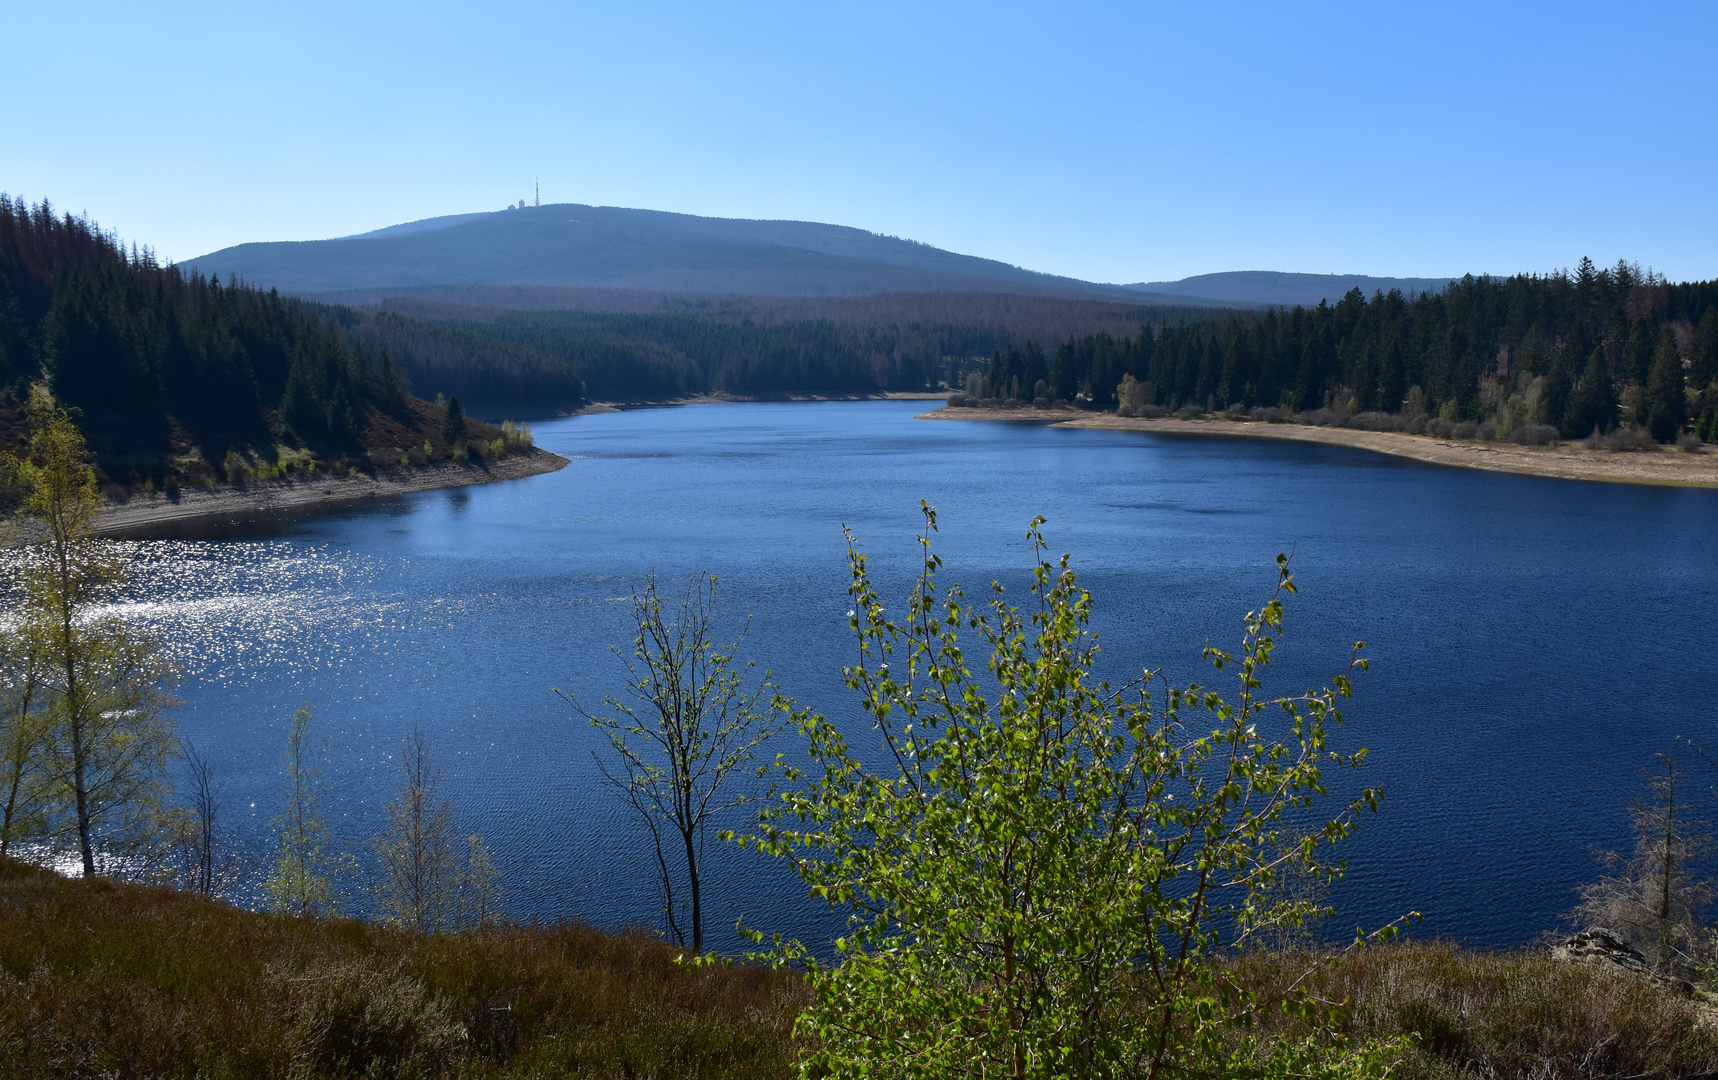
(1567, 461)
(143, 511)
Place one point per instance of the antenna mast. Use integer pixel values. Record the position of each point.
(539, 192)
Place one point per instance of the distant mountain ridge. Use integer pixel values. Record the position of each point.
(574, 246)
(1270, 287)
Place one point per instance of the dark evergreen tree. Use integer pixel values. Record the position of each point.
(453, 422)
(1703, 357)
(1593, 402)
(1666, 396)
(1637, 351)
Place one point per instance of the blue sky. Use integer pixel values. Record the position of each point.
(1109, 141)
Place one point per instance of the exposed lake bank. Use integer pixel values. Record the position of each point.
(1563, 461)
(154, 508)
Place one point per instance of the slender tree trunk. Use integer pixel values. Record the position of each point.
(697, 893)
(75, 721)
(11, 810)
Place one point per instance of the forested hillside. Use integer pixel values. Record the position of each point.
(525, 345)
(666, 355)
(177, 375)
(1592, 349)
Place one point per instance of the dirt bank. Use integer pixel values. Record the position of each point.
(1566, 461)
(154, 509)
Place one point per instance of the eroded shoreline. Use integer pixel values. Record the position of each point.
(142, 511)
(1566, 461)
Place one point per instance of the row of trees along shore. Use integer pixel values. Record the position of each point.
(1535, 356)
(179, 376)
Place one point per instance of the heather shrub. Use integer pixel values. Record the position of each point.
(354, 1018)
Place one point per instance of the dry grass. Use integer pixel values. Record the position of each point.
(1508, 1015)
(106, 980)
(99, 979)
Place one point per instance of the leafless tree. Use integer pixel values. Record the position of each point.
(426, 882)
(211, 868)
(1656, 898)
(685, 739)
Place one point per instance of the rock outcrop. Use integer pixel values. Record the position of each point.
(1599, 947)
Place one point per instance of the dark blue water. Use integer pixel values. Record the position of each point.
(1534, 642)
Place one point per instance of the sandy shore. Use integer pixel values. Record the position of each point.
(1565, 462)
(155, 509)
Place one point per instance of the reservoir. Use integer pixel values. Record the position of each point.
(1534, 642)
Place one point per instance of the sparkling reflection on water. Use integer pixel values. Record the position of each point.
(1534, 641)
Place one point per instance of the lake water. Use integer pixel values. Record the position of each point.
(1534, 642)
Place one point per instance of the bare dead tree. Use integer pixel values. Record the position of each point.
(1656, 898)
(210, 868)
(685, 739)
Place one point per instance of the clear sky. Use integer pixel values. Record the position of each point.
(1108, 141)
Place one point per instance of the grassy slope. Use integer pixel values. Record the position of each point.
(113, 980)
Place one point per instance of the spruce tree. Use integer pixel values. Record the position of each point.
(1666, 398)
(1638, 351)
(1703, 357)
(453, 422)
(1593, 403)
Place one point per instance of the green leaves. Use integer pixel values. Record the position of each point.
(1041, 870)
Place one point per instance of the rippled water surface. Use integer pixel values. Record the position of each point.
(1534, 642)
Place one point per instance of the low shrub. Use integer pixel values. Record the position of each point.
(1622, 440)
(1323, 417)
(1535, 435)
(1377, 421)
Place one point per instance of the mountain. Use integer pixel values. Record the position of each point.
(1269, 287)
(571, 245)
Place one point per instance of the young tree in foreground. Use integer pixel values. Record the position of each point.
(427, 883)
(102, 687)
(1041, 874)
(305, 867)
(686, 744)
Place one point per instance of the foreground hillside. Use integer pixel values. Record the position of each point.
(113, 980)
(99, 978)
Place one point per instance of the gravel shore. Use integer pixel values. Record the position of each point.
(1565, 461)
(143, 510)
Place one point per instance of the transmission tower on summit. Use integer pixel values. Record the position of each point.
(539, 195)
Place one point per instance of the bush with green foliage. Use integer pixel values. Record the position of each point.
(1042, 871)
